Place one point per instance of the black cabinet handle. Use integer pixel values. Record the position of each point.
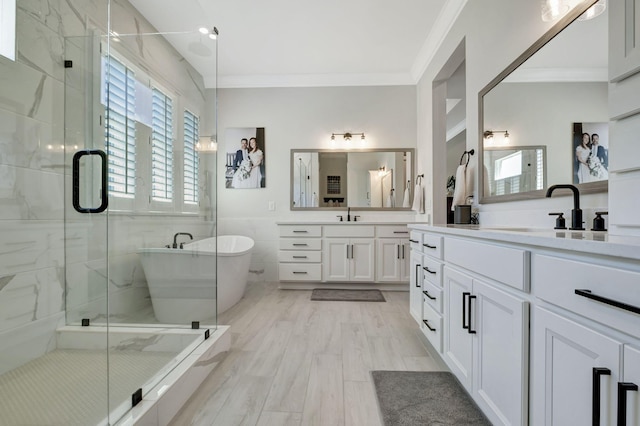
(587, 293)
(428, 246)
(417, 270)
(104, 196)
(429, 270)
(398, 247)
(403, 251)
(464, 310)
(413, 241)
(623, 388)
(595, 389)
(428, 326)
(300, 272)
(299, 232)
(401, 232)
(300, 245)
(471, 331)
(426, 293)
(299, 257)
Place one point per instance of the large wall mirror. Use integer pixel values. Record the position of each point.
(548, 112)
(373, 179)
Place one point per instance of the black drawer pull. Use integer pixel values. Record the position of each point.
(401, 232)
(413, 241)
(428, 246)
(464, 310)
(429, 270)
(299, 257)
(417, 269)
(428, 326)
(426, 293)
(595, 393)
(471, 331)
(300, 245)
(587, 293)
(300, 272)
(300, 232)
(623, 388)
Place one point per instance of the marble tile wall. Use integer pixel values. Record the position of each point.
(35, 263)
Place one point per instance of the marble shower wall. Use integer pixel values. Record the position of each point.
(33, 175)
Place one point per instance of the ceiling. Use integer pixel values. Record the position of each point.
(291, 43)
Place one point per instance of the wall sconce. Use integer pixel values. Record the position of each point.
(382, 170)
(552, 10)
(206, 144)
(488, 134)
(594, 11)
(347, 136)
(213, 33)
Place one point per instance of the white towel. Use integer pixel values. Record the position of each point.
(469, 175)
(314, 200)
(406, 200)
(460, 190)
(418, 205)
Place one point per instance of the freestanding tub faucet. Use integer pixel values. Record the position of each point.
(576, 213)
(175, 238)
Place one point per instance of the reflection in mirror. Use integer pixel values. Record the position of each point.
(364, 179)
(512, 170)
(560, 81)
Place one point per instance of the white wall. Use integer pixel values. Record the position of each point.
(304, 118)
(484, 26)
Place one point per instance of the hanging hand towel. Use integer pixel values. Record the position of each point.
(418, 205)
(406, 200)
(460, 190)
(314, 200)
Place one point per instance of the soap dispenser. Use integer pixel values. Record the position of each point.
(598, 222)
(560, 222)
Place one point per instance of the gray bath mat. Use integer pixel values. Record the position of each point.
(340, 295)
(409, 398)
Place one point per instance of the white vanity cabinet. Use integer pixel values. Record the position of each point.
(392, 254)
(349, 253)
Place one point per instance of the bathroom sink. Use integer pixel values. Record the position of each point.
(512, 229)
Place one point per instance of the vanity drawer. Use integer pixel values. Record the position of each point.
(299, 256)
(432, 296)
(300, 272)
(300, 230)
(432, 329)
(556, 280)
(300, 244)
(432, 245)
(398, 231)
(346, 231)
(432, 270)
(508, 265)
(415, 240)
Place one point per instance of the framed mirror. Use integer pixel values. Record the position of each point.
(366, 179)
(549, 99)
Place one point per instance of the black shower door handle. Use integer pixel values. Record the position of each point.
(104, 196)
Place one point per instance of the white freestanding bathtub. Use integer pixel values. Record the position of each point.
(182, 282)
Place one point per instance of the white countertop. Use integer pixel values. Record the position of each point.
(337, 222)
(601, 243)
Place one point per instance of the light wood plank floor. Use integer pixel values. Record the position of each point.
(294, 361)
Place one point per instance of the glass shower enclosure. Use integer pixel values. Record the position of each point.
(133, 143)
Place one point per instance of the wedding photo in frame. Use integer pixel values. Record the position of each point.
(244, 158)
(590, 152)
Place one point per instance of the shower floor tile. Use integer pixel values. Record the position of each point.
(69, 387)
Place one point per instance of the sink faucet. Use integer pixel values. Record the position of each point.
(348, 214)
(175, 238)
(576, 213)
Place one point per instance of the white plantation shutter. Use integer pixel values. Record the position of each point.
(161, 147)
(191, 122)
(120, 129)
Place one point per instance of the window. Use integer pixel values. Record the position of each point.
(161, 147)
(120, 129)
(191, 122)
(8, 29)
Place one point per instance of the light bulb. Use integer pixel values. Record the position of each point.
(203, 30)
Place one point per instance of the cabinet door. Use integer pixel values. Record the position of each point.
(458, 338)
(500, 354)
(415, 286)
(388, 264)
(335, 261)
(624, 38)
(631, 375)
(405, 262)
(362, 259)
(564, 356)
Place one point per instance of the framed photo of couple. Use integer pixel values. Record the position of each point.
(245, 155)
(590, 152)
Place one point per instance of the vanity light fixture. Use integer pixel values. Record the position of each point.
(206, 144)
(553, 9)
(347, 136)
(488, 134)
(213, 33)
(594, 11)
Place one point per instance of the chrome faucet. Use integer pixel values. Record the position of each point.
(576, 213)
(175, 238)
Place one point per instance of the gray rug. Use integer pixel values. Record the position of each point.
(334, 294)
(412, 398)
